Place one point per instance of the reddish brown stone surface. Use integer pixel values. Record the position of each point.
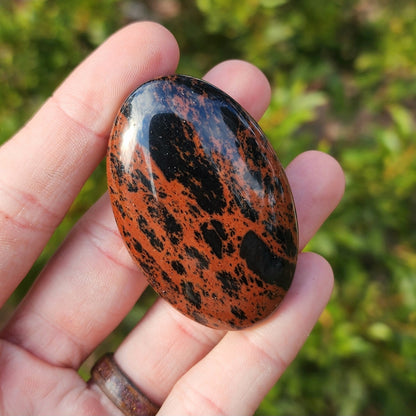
(202, 202)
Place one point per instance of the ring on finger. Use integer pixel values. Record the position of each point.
(115, 384)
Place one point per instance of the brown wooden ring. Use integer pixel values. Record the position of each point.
(112, 381)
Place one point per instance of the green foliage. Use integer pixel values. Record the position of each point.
(343, 75)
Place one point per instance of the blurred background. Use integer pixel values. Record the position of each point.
(343, 74)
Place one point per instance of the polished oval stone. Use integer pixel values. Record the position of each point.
(202, 202)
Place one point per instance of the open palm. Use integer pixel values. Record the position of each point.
(91, 283)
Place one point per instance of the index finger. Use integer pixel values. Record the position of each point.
(43, 167)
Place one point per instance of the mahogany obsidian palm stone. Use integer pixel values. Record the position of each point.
(202, 202)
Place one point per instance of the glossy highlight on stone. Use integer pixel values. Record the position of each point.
(202, 202)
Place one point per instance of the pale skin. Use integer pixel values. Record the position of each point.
(91, 283)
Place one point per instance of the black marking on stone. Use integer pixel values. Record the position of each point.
(172, 285)
(173, 149)
(232, 119)
(219, 228)
(259, 282)
(178, 267)
(125, 109)
(137, 246)
(198, 236)
(242, 126)
(144, 180)
(284, 237)
(268, 185)
(199, 318)
(271, 294)
(214, 236)
(150, 267)
(132, 187)
(265, 264)
(168, 222)
(149, 233)
(117, 169)
(279, 185)
(229, 284)
(190, 294)
(232, 324)
(240, 200)
(120, 209)
(260, 308)
(290, 208)
(194, 211)
(229, 249)
(272, 185)
(155, 283)
(254, 178)
(239, 272)
(192, 252)
(172, 227)
(253, 151)
(125, 232)
(166, 277)
(197, 87)
(238, 313)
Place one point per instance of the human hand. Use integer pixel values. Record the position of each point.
(91, 283)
